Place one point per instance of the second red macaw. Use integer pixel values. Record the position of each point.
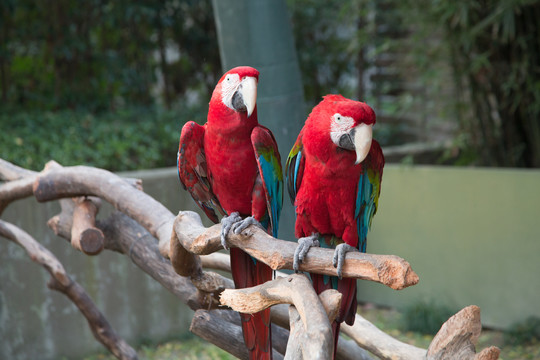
(231, 167)
(334, 174)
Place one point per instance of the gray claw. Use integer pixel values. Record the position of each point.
(226, 223)
(304, 244)
(339, 257)
(239, 226)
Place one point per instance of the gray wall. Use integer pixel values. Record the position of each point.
(472, 236)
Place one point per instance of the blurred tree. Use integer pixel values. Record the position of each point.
(102, 54)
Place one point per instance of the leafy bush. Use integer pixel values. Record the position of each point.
(523, 333)
(426, 317)
(123, 140)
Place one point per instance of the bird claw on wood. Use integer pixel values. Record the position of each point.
(226, 224)
(339, 257)
(241, 225)
(304, 244)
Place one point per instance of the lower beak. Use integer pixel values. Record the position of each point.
(363, 135)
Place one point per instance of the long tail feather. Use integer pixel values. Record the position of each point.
(347, 311)
(255, 327)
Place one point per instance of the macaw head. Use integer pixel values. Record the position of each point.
(343, 123)
(237, 90)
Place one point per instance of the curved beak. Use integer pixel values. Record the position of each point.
(363, 134)
(248, 93)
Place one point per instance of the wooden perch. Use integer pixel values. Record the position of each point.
(213, 327)
(63, 283)
(382, 345)
(295, 289)
(389, 270)
(141, 220)
(298, 346)
(457, 338)
(78, 181)
(85, 236)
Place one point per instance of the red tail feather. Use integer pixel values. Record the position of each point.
(347, 312)
(255, 327)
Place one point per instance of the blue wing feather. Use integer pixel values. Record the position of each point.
(269, 163)
(367, 196)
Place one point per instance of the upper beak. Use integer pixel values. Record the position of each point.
(248, 92)
(363, 134)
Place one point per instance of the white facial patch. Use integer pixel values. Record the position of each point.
(228, 87)
(340, 125)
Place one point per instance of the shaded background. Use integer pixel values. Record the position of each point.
(110, 84)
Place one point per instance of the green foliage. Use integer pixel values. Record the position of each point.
(524, 333)
(425, 317)
(100, 55)
(494, 52)
(123, 140)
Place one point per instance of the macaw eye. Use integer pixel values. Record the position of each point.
(228, 78)
(338, 118)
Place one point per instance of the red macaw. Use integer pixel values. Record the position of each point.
(334, 173)
(231, 166)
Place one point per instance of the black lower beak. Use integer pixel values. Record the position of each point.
(238, 101)
(346, 140)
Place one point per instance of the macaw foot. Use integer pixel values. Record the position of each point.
(339, 257)
(304, 244)
(241, 225)
(226, 224)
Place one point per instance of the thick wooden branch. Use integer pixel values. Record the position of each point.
(217, 327)
(382, 345)
(85, 236)
(297, 290)
(63, 283)
(10, 172)
(15, 190)
(82, 181)
(389, 270)
(458, 336)
(298, 347)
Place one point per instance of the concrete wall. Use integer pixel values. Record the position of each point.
(472, 235)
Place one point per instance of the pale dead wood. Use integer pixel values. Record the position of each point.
(216, 261)
(78, 181)
(390, 270)
(382, 345)
(129, 237)
(295, 289)
(85, 236)
(216, 327)
(62, 282)
(298, 345)
(15, 190)
(294, 345)
(10, 172)
(457, 338)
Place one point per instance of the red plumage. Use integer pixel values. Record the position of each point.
(220, 166)
(325, 182)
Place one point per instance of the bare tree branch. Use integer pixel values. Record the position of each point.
(295, 290)
(63, 283)
(85, 236)
(133, 231)
(389, 270)
(457, 338)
